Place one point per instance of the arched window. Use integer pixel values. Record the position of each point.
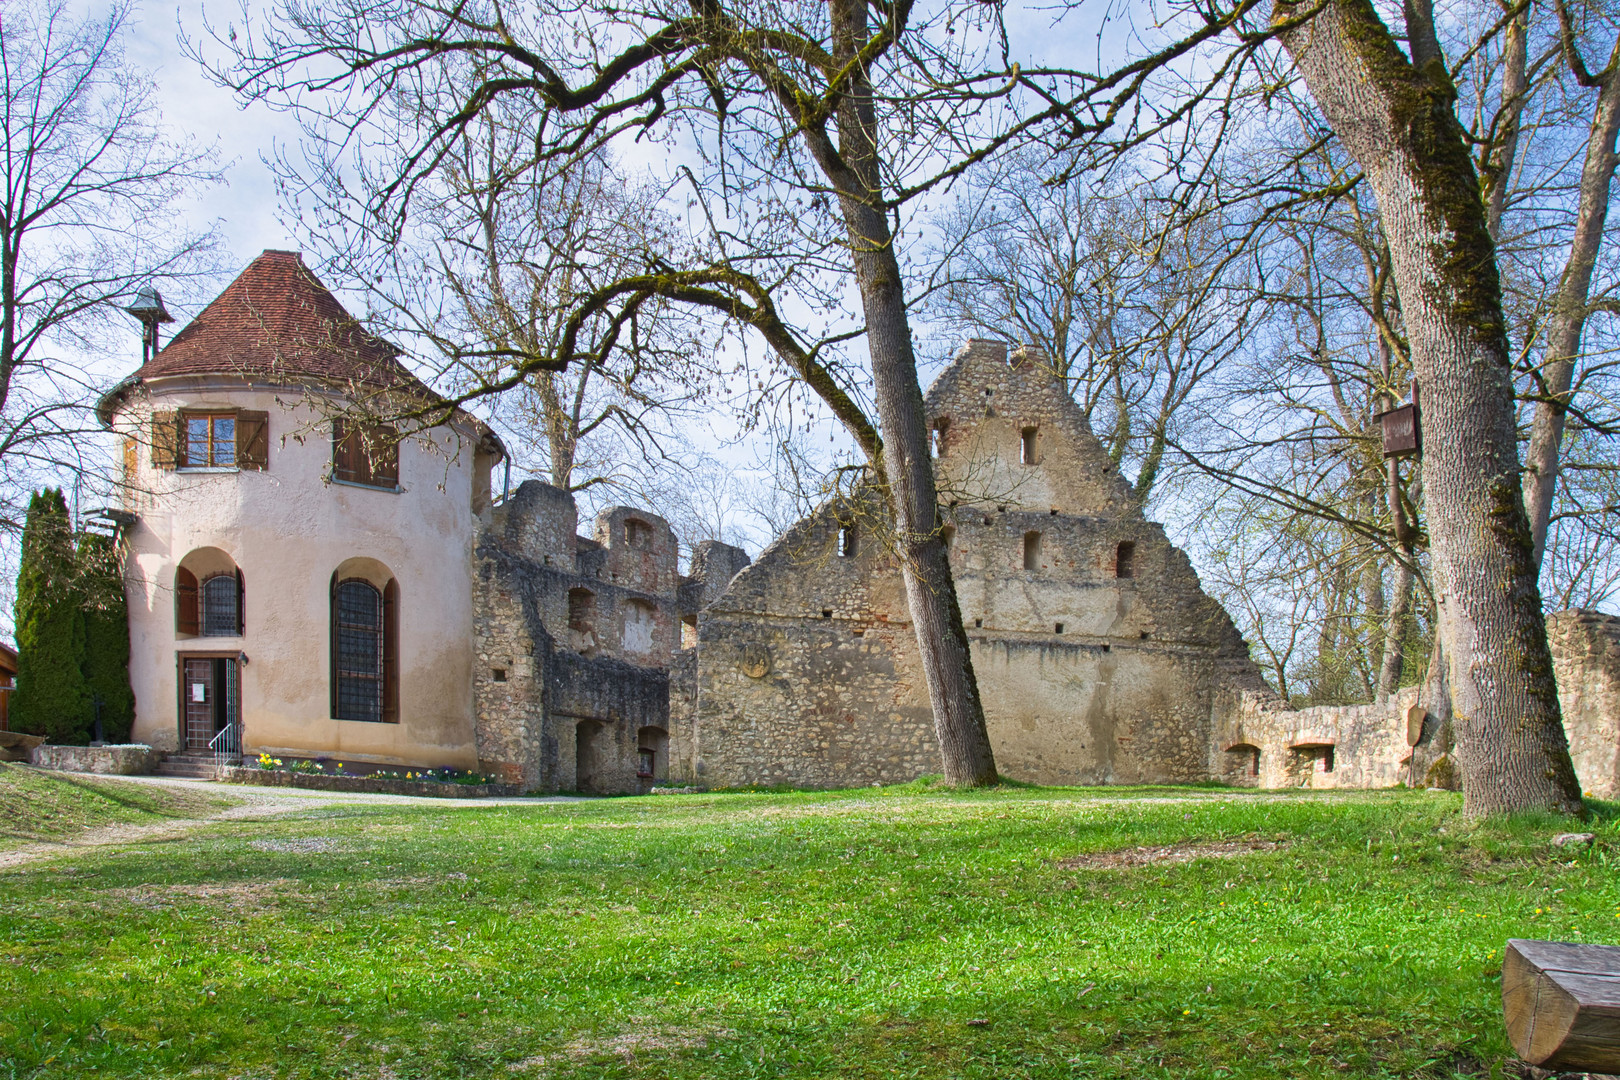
(365, 649)
(222, 605)
(1032, 551)
(208, 595)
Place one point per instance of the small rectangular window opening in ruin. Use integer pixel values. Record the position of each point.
(826, 613)
(978, 623)
(1026, 454)
(846, 541)
(1125, 559)
(637, 533)
(498, 674)
(581, 609)
(939, 436)
(948, 534)
(1058, 628)
(1032, 551)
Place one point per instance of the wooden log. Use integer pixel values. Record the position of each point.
(1561, 1004)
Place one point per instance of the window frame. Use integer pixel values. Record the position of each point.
(386, 630)
(234, 581)
(213, 417)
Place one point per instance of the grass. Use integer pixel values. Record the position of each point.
(877, 933)
(44, 806)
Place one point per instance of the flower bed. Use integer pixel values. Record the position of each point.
(381, 784)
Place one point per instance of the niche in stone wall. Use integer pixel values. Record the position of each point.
(640, 618)
(1244, 758)
(652, 753)
(1032, 551)
(1125, 559)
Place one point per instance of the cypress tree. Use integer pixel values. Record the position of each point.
(106, 636)
(51, 698)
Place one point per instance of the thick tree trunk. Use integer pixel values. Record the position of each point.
(1568, 322)
(1397, 122)
(936, 617)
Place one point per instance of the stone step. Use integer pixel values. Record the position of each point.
(192, 769)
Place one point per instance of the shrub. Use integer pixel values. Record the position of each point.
(51, 698)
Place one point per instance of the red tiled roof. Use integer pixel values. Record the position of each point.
(277, 319)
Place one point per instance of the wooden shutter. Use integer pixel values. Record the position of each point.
(241, 605)
(346, 456)
(187, 610)
(385, 457)
(166, 440)
(390, 657)
(252, 439)
(131, 463)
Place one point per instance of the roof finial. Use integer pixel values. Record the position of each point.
(148, 308)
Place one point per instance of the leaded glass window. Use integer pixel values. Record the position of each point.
(358, 651)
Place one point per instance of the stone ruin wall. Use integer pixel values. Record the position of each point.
(568, 693)
(1586, 658)
(808, 674)
(1369, 742)
(802, 670)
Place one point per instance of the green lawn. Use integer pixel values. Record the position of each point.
(875, 933)
(43, 806)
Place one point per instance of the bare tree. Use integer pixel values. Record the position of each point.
(484, 273)
(91, 188)
(1571, 305)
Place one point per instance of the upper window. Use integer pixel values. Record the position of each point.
(1026, 446)
(846, 541)
(1125, 559)
(210, 441)
(581, 609)
(637, 533)
(1032, 551)
(365, 454)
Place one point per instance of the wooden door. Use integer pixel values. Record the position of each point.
(198, 694)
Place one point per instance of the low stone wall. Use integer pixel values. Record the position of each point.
(128, 760)
(319, 782)
(1324, 746)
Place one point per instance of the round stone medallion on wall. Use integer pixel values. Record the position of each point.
(755, 661)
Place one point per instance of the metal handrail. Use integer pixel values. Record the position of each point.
(225, 745)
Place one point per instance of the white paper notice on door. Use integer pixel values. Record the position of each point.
(199, 691)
